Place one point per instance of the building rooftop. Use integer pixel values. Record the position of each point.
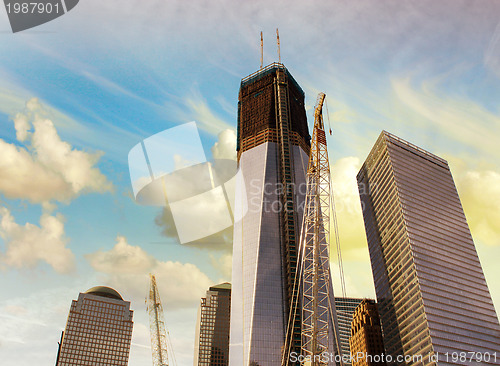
(269, 69)
(222, 286)
(104, 292)
(415, 149)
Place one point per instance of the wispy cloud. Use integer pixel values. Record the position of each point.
(492, 53)
(207, 119)
(456, 119)
(35, 318)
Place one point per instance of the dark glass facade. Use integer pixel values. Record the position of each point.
(212, 338)
(345, 307)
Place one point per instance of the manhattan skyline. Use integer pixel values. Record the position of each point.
(108, 75)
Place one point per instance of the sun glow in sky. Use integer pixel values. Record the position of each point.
(77, 93)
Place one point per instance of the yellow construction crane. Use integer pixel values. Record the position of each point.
(316, 278)
(160, 344)
(319, 329)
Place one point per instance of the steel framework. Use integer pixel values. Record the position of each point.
(315, 257)
(157, 326)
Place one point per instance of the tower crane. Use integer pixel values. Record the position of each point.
(159, 341)
(313, 280)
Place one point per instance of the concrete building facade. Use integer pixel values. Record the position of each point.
(366, 343)
(98, 330)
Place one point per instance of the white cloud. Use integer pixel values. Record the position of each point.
(28, 245)
(126, 267)
(46, 168)
(180, 162)
(206, 118)
(225, 147)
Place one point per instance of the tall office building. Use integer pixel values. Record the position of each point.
(367, 346)
(431, 290)
(345, 310)
(98, 330)
(273, 147)
(212, 330)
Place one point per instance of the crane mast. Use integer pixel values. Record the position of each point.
(316, 311)
(157, 326)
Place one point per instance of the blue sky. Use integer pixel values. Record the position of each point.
(109, 74)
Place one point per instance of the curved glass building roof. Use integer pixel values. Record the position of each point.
(104, 292)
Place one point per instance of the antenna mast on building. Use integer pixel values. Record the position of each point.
(278, 40)
(261, 50)
(159, 341)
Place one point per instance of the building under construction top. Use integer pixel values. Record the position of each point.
(258, 109)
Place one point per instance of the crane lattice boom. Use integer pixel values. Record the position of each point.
(157, 326)
(316, 281)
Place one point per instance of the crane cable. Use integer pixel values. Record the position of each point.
(171, 347)
(328, 117)
(285, 359)
(335, 224)
(337, 244)
(298, 273)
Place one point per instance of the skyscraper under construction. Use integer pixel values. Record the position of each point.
(273, 148)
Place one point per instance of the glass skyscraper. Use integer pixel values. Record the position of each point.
(98, 330)
(345, 310)
(265, 242)
(273, 152)
(212, 330)
(432, 296)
